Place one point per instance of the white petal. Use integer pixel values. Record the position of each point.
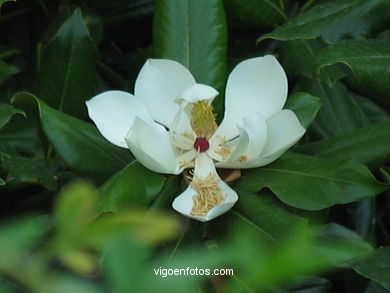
(284, 130)
(254, 85)
(113, 113)
(181, 132)
(199, 92)
(183, 203)
(159, 83)
(151, 145)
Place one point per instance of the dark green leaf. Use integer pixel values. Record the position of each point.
(6, 71)
(263, 215)
(6, 113)
(313, 183)
(373, 111)
(28, 170)
(256, 14)
(375, 266)
(79, 143)
(133, 186)
(339, 113)
(368, 60)
(305, 106)
(169, 191)
(66, 77)
(369, 145)
(3, 1)
(2, 182)
(193, 32)
(335, 20)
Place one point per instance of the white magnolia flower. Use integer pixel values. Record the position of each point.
(169, 125)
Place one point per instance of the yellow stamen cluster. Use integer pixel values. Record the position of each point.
(208, 195)
(203, 119)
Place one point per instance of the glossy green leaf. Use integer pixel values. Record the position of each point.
(368, 60)
(312, 183)
(375, 266)
(79, 143)
(305, 106)
(339, 113)
(28, 170)
(133, 186)
(6, 71)
(2, 182)
(66, 75)
(260, 214)
(193, 32)
(6, 113)
(369, 145)
(256, 14)
(335, 20)
(165, 197)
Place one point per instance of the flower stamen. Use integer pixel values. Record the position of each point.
(203, 119)
(208, 195)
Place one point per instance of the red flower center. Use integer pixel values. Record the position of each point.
(201, 144)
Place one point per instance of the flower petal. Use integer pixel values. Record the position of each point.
(181, 131)
(254, 85)
(199, 92)
(159, 83)
(151, 145)
(183, 203)
(284, 130)
(113, 113)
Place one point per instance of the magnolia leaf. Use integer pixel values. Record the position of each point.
(313, 183)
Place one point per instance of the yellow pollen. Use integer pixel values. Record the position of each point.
(203, 119)
(242, 159)
(224, 152)
(208, 195)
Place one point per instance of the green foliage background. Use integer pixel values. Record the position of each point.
(315, 220)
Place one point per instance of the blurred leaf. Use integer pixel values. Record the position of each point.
(2, 182)
(375, 266)
(133, 186)
(28, 170)
(368, 60)
(262, 215)
(19, 236)
(305, 106)
(66, 75)
(313, 183)
(256, 14)
(79, 143)
(194, 33)
(126, 268)
(6, 113)
(369, 145)
(335, 20)
(149, 228)
(6, 70)
(76, 206)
